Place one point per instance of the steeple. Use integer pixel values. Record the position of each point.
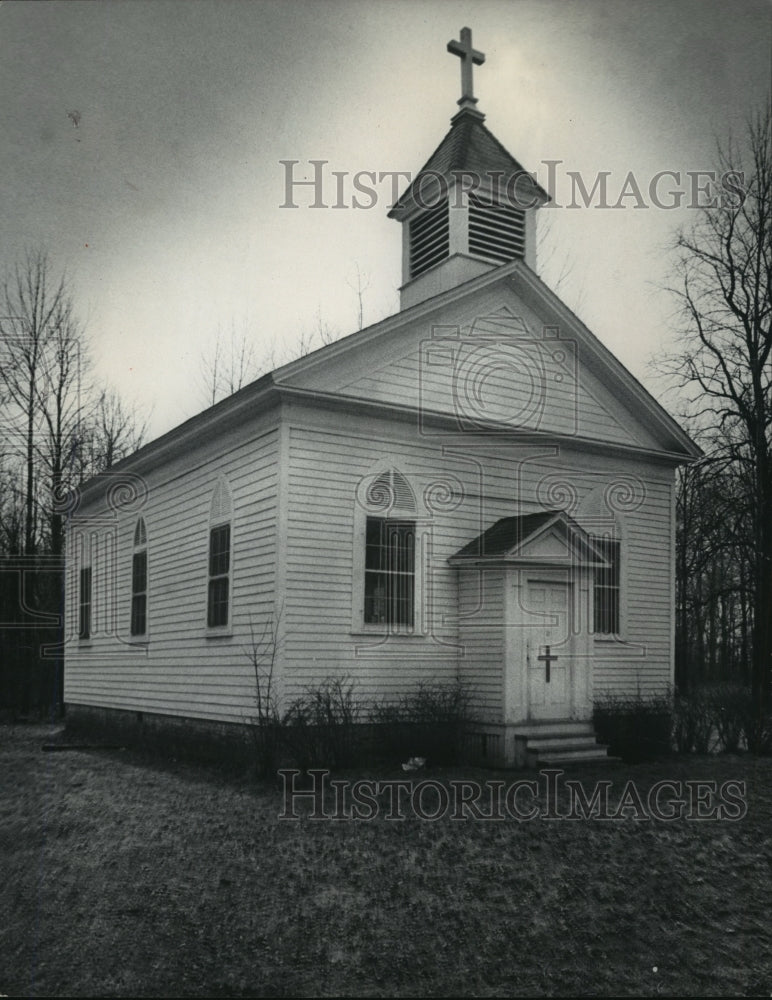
(471, 206)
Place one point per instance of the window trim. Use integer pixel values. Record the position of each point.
(220, 628)
(602, 541)
(220, 516)
(358, 625)
(137, 596)
(394, 576)
(85, 607)
(139, 549)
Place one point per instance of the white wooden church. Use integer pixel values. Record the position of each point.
(473, 489)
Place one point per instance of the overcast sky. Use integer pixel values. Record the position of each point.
(142, 146)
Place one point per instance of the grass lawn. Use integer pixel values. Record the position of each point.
(125, 877)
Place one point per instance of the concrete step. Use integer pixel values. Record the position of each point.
(538, 730)
(573, 755)
(548, 744)
(555, 760)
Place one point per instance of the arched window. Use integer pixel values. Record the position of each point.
(391, 492)
(218, 593)
(139, 580)
(389, 574)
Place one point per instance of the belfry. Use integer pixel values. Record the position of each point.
(471, 207)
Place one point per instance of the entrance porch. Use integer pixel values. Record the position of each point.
(526, 590)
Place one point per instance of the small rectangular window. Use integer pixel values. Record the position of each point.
(219, 570)
(606, 590)
(389, 572)
(84, 623)
(139, 593)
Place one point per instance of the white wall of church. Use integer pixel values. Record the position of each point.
(332, 455)
(179, 667)
(489, 356)
(299, 512)
(481, 631)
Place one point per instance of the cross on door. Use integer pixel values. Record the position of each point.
(548, 659)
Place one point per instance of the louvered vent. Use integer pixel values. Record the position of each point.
(496, 231)
(140, 534)
(429, 239)
(391, 491)
(221, 503)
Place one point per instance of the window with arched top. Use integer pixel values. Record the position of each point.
(389, 571)
(218, 591)
(139, 580)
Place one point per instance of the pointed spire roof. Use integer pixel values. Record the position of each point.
(472, 150)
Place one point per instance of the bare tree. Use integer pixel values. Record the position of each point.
(556, 271)
(320, 335)
(61, 407)
(230, 363)
(58, 429)
(11, 512)
(712, 574)
(359, 286)
(724, 266)
(55, 429)
(265, 726)
(112, 430)
(324, 333)
(39, 372)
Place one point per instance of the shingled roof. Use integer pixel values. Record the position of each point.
(472, 148)
(507, 533)
(510, 532)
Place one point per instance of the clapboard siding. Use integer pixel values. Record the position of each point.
(181, 670)
(481, 634)
(643, 667)
(326, 469)
(527, 374)
(328, 461)
(297, 534)
(557, 400)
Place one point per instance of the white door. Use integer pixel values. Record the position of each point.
(548, 651)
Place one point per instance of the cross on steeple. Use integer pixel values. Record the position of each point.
(469, 57)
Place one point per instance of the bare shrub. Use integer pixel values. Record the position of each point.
(320, 725)
(426, 722)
